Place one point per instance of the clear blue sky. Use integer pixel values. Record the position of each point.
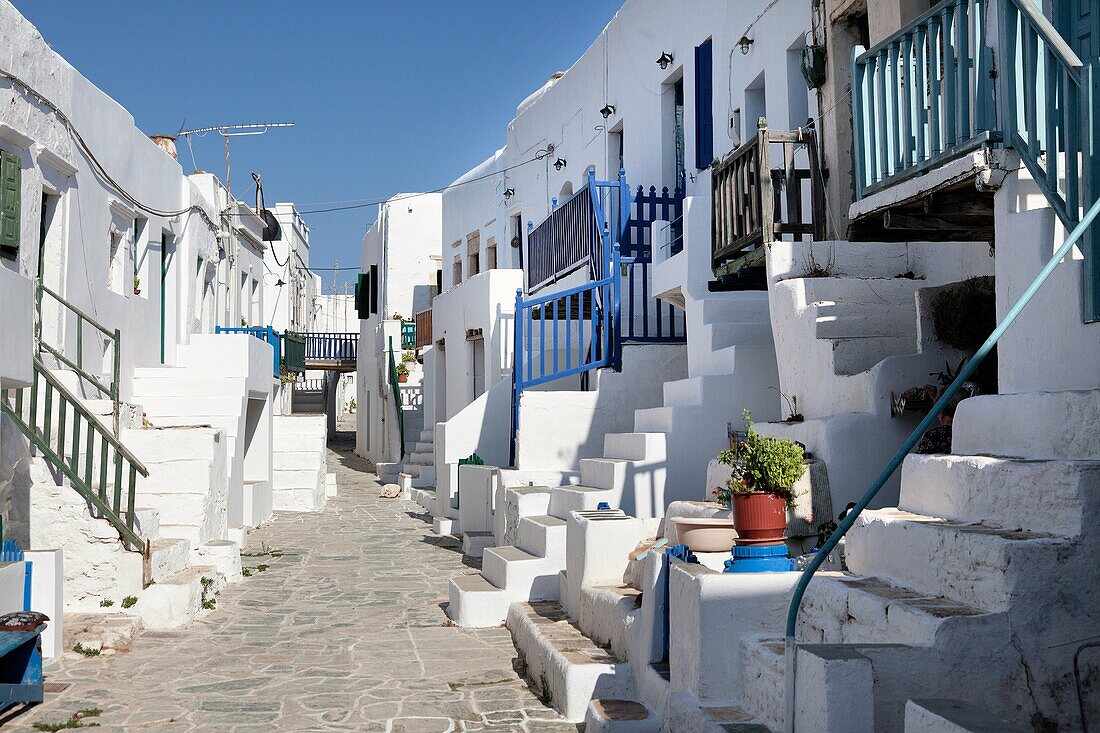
(387, 96)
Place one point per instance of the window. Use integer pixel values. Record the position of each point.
(11, 190)
(362, 296)
(256, 316)
(473, 253)
(246, 317)
(116, 266)
(491, 253)
(374, 289)
(704, 105)
(138, 251)
(516, 234)
(672, 132)
(457, 270)
(477, 368)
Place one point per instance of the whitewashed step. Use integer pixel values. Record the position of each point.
(763, 678)
(196, 408)
(476, 603)
(424, 478)
(297, 460)
(573, 670)
(1054, 497)
(427, 435)
(607, 615)
(303, 499)
(543, 536)
(425, 447)
(520, 573)
(146, 522)
(953, 716)
(565, 499)
(167, 557)
(620, 716)
(865, 320)
(162, 444)
(844, 609)
(474, 544)
(724, 335)
(653, 419)
(634, 446)
(174, 601)
(855, 355)
(736, 307)
(307, 478)
(879, 291)
(1041, 425)
(421, 459)
(187, 476)
(146, 389)
(975, 565)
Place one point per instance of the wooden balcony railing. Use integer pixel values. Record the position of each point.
(423, 329)
(754, 205)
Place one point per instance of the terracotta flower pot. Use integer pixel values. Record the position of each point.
(759, 518)
(402, 378)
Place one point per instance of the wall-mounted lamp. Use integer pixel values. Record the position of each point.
(560, 163)
(280, 283)
(744, 43)
(607, 111)
(509, 193)
(665, 59)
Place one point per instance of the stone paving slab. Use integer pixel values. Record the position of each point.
(344, 631)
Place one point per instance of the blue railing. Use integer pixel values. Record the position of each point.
(923, 96)
(1050, 115)
(565, 334)
(332, 347)
(644, 318)
(267, 334)
(408, 334)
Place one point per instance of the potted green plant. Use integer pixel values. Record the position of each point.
(402, 373)
(764, 471)
(137, 285)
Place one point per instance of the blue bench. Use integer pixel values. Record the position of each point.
(21, 667)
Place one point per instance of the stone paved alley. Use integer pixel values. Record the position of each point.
(343, 631)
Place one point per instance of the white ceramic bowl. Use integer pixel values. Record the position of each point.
(705, 534)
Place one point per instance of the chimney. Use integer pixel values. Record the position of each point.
(167, 144)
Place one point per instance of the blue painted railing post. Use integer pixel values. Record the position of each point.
(858, 100)
(517, 373)
(615, 327)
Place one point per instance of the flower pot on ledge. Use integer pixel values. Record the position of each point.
(402, 378)
(759, 517)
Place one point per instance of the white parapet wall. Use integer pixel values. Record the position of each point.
(17, 307)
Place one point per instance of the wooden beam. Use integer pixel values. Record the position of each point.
(961, 220)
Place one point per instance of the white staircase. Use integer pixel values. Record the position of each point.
(299, 462)
(419, 461)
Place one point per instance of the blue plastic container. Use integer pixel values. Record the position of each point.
(759, 559)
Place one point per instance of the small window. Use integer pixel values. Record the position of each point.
(11, 192)
(458, 269)
(116, 266)
(491, 253)
(473, 254)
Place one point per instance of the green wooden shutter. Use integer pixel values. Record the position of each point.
(10, 194)
(362, 297)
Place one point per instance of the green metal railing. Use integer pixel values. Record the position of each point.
(82, 319)
(397, 403)
(294, 352)
(911, 442)
(72, 440)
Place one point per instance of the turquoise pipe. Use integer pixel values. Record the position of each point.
(911, 442)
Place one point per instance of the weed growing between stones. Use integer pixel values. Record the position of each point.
(208, 601)
(76, 721)
(106, 603)
(129, 601)
(246, 572)
(88, 651)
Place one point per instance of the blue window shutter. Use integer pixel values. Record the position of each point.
(704, 107)
(11, 175)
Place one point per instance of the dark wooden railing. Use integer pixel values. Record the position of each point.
(423, 329)
(564, 242)
(754, 205)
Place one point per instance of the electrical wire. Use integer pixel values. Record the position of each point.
(97, 166)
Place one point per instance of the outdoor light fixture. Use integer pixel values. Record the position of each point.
(607, 111)
(743, 43)
(560, 163)
(509, 193)
(280, 283)
(665, 59)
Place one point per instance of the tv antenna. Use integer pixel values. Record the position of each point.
(228, 131)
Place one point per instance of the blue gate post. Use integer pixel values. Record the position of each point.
(517, 373)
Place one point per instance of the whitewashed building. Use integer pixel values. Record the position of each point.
(152, 413)
(825, 225)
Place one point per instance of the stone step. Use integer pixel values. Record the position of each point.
(567, 668)
(167, 557)
(474, 544)
(513, 477)
(634, 446)
(1040, 425)
(736, 307)
(841, 608)
(222, 555)
(175, 601)
(299, 425)
(146, 388)
(425, 478)
(299, 499)
(940, 715)
(620, 716)
(543, 536)
(146, 522)
(424, 497)
(427, 435)
(425, 447)
(161, 444)
(875, 291)
(653, 419)
(477, 603)
(297, 460)
(188, 476)
(565, 499)
(282, 443)
(855, 355)
(866, 320)
(1051, 496)
(604, 473)
(975, 565)
(196, 408)
(421, 458)
(607, 616)
(763, 679)
(307, 478)
(521, 574)
(724, 335)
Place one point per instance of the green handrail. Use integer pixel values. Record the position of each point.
(397, 399)
(85, 464)
(964, 374)
(77, 366)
